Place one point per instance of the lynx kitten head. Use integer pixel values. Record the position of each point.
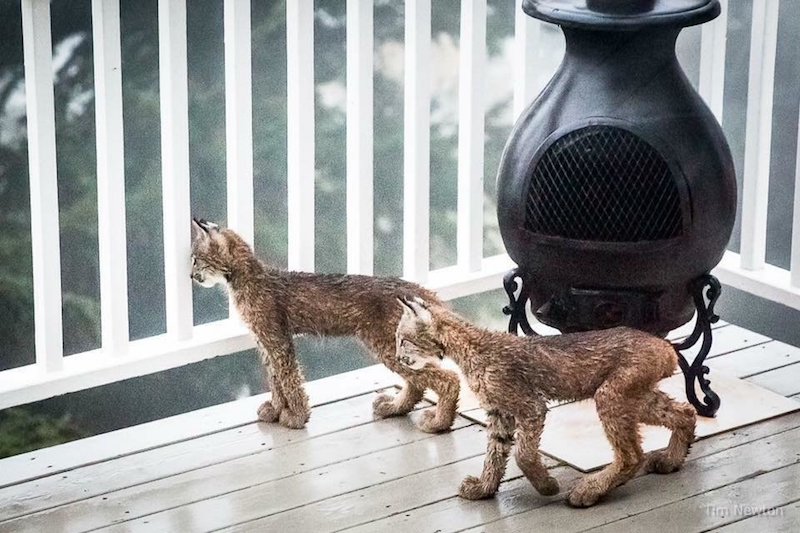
(210, 253)
(417, 343)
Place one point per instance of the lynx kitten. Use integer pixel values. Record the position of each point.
(276, 304)
(513, 377)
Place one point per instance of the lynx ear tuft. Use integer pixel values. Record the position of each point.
(198, 231)
(419, 309)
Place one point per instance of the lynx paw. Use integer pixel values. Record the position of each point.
(268, 413)
(473, 488)
(293, 420)
(383, 406)
(660, 463)
(429, 423)
(585, 494)
(548, 486)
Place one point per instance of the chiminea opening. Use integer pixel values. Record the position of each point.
(616, 190)
(604, 183)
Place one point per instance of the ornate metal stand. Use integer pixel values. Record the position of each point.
(705, 292)
(516, 308)
(704, 287)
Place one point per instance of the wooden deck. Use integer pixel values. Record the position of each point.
(218, 469)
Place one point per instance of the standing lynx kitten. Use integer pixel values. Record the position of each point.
(513, 377)
(276, 304)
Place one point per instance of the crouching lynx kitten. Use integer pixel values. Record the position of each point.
(514, 376)
(276, 304)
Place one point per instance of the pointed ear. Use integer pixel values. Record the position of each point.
(420, 310)
(408, 312)
(198, 231)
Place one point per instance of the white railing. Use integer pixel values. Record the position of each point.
(118, 358)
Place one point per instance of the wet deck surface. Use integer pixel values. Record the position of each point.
(218, 468)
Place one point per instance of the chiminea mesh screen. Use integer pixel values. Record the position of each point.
(603, 183)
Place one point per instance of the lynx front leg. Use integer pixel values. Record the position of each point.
(289, 399)
(529, 433)
(501, 438)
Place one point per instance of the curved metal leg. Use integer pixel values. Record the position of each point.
(517, 305)
(704, 287)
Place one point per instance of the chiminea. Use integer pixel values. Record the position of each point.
(616, 190)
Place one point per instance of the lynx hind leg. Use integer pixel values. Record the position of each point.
(402, 403)
(500, 433)
(446, 385)
(658, 409)
(443, 382)
(616, 402)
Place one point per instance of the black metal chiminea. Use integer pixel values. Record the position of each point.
(616, 191)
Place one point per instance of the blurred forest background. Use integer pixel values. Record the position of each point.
(225, 378)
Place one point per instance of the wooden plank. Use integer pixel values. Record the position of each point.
(45, 243)
(527, 40)
(686, 329)
(783, 519)
(759, 493)
(713, 41)
(127, 441)
(291, 477)
(300, 132)
(471, 108)
(239, 118)
(785, 380)
(55, 498)
(454, 513)
(757, 359)
(110, 176)
(359, 137)
(652, 491)
(758, 133)
(517, 496)
(416, 141)
(388, 502)
(729, 339)
(173, 90)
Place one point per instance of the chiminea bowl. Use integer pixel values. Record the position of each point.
(616, 188)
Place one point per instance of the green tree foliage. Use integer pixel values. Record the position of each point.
(22, 431)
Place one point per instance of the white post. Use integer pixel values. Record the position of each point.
(37, 50)
(359, 137)
(175, 166)
(527, 33)
(712, 61)
(300, 141)
(758, 134)
(794, 266)
(472, 87)
(110, 176)
(239, 118)
(416, 156)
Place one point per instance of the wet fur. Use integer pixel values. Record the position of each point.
(276, 305)
(513, 377)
